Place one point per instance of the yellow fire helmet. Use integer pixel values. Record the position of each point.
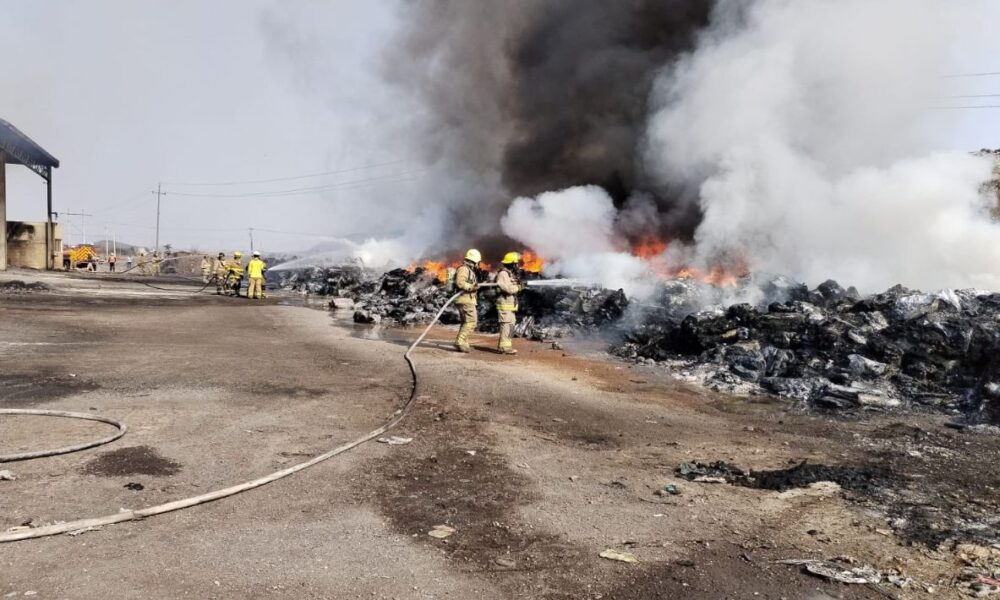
(473, 255)
(511, 258)
(237, 254)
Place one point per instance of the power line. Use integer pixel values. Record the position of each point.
(987, 74)
(399, 177)
(969, 96)
(131, 200)
(963, 107)
(291, 178)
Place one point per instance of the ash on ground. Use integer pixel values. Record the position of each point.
(19, 287)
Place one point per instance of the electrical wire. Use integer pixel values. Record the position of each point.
(299, 191)
(291, 178)
(960, 75)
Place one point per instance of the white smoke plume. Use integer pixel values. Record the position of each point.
(575, 230)
(804, 126)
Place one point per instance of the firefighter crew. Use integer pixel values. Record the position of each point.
(509, 285)
(220, 273)
(467, 283)
(206, 269)
(255, 271)
(234, 274)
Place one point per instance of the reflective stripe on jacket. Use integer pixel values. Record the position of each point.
(234, 266)
(509, 287)
(466, 283)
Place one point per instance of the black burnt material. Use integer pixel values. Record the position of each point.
(409, 297)
(834, 350)
(862, 480)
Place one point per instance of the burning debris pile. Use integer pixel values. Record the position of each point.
(414, 295)
(833, 349)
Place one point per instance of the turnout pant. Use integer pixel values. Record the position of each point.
(507, 320)
(467, 315)
(255, 288)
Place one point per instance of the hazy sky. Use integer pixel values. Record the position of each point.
(129, 93)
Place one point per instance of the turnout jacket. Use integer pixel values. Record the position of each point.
(509, 286)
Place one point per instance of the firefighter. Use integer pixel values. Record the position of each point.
(206, 269)
(466, 282)
(509, 284)
(234, 274)
(255, 271)
(220, 273)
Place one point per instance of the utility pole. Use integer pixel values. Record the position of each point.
(159, 192)
(251, 240)
(106, 242)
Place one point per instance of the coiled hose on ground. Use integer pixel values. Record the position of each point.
(133, 515)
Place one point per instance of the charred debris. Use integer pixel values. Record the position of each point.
(828, 348)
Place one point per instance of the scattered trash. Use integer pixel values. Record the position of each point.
(134, 486)
(470, 452)
(707, 479)
(6, 475)
(574, 478)
(669, 489)
(77, 532)
(505, 562)
(627, 557)
(836, 571)
(684, 562)
(395, 440)
(441, 531)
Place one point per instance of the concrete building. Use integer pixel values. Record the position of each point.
(18, 149)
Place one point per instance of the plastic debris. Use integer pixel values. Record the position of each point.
(441, 531)
(6, 475)
(837, 571)
(77, 532)
(669, 489)
(627, 557)
(395, 440)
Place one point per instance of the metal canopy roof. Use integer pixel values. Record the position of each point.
(19, 149)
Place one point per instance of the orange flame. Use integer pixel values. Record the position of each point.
(531, 262)
(651, 249)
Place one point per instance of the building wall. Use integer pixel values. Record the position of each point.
(26, 244)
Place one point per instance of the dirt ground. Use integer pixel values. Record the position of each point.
(539, 462)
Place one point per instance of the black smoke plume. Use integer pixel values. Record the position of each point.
(546, 94)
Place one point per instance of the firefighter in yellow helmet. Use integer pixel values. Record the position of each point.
(221, 272)
(234, 274)
(255, 271)
(509, 284)
(467, 284)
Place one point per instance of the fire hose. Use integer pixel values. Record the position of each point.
(135, 515)
(67, 449)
